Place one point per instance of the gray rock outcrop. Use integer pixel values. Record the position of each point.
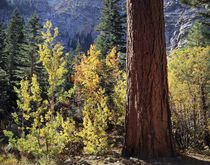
(72, 16)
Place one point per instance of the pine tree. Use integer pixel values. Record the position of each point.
(16, 51)
(4, 84)
(196, 36)
(78, 49)
(111, 28)
(201, 26)
(148, 128)
(2, 47)
(84, 40)
(3, 75)
(35, 39)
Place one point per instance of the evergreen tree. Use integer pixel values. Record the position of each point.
(16, 51)
(70, 60)
(4, 84)
(35, 39)
(148, 129)
(89, 41)
(2, 47)
(200, 32)
(3, 74)
(84, 40)
(78, 49)
(195, 3)
(111, 27)
(196, 36)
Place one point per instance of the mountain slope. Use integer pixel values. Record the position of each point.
(73, 16)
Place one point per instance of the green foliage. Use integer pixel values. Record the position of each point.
(16, 53)
(34, 39)
(114, 82)
(201, 27)
(196, 36)
(111, 28)
(19, 57)
(195, 3)
(48, 133)
(82, 39)
(100, 83)
(78, 49)
(4, 81)
(3, 57)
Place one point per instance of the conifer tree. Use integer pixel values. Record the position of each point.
(2, 47)
(3, 74)
(16, 52)
(35, 39)
(4, 93)
(111, 28)
(84, 40)
(148, 130)
(42, 137)
(196, 36)
(201, 28)
(78, 49)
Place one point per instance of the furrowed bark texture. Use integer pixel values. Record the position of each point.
(148, 130)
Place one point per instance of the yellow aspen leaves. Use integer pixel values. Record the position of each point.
(188, 71)
(91, 74)
(44, 136)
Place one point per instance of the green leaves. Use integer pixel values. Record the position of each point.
(48, 133)
(112, 28)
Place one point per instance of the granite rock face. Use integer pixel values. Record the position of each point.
(72, 16)
(178, 20)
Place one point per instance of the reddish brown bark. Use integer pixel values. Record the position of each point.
(148, 131)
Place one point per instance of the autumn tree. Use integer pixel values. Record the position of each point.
(42, 136)
(188, 84)
(148, 129)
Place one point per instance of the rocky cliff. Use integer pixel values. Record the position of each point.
(73, 16)
(178, 20)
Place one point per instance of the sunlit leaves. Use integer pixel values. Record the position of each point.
(44, 137)
(188, 73)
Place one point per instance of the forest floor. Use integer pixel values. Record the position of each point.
(186, 158)
(114, 157)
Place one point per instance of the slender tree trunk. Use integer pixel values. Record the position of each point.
(32, 64)
(148, 129)
(205, 116)
(194, 117)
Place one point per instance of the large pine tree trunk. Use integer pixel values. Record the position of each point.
(148, 130)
